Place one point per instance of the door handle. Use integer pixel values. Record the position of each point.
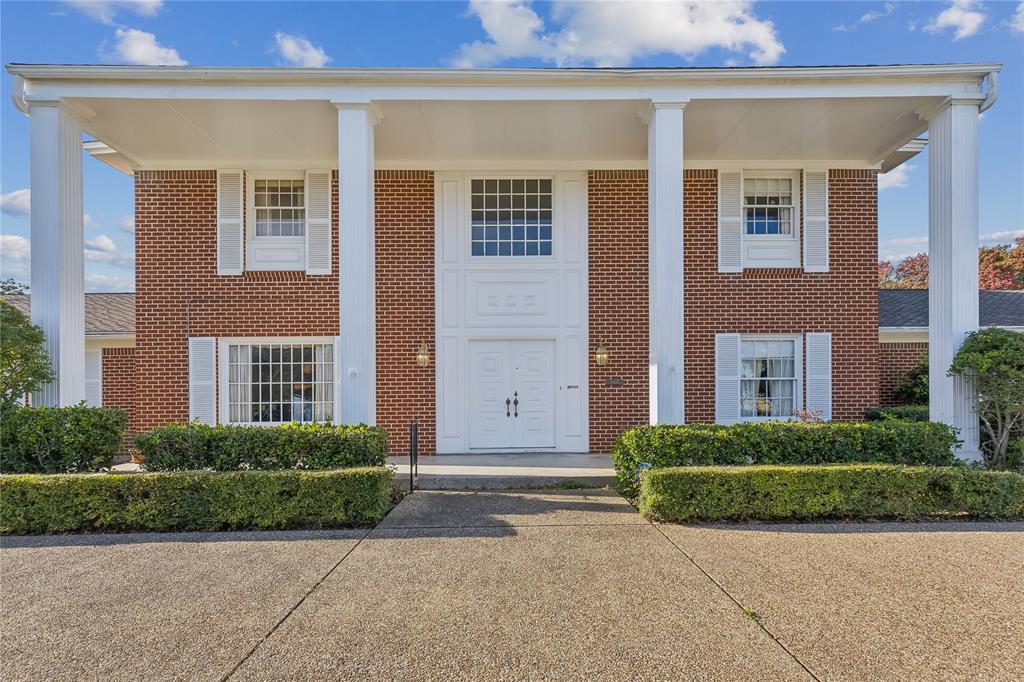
(516, 403)
(507, 403)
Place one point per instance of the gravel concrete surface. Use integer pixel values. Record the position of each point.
(880, 601)
(543, 584)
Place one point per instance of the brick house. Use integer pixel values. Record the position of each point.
(528, 260)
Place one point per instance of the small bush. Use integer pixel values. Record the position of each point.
(909, 413)
(194, 501)
(865, 491)
(57, 440)
(883, 442)
(185, 447)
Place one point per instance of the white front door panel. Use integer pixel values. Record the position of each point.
(511, 394)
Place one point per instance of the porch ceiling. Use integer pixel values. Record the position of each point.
(171, 133)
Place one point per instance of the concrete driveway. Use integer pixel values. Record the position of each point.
(519, 585)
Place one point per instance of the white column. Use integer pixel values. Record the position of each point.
(665, 260)
(952, 262)
(58, 236)
(356, 252)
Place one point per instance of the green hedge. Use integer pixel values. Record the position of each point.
(910, 413)
(780, 442)
(194, 501)
(845, 491)
(188, 447)
(57, 440)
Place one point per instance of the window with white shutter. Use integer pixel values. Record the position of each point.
(276, 216)
(94, 378)
(819, 374)
(730, 222)
(816, 221)
(229, 222)
(727, 378)
(318, 222)
(202, 385)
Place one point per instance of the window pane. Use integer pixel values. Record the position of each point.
(280, 208)
(768, 378)
(768, 206)
(511, 217)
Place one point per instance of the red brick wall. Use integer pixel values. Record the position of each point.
(843, 301)
(897, 360)
(617, 213)
(119, 385)
(405, 305)
(179, 293)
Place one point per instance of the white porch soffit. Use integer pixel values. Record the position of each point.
(194, 117)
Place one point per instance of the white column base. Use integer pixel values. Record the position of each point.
(58, 243)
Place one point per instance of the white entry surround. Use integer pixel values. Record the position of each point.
(511, 324)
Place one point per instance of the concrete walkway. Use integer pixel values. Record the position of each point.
(506, 471)
(519, 585)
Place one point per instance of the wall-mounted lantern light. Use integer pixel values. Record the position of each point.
(601, 354)
(423, 355)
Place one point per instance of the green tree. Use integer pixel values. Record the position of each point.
(994, 359)
(9, 286)
(24, 364)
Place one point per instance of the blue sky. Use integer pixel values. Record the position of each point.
(513, 34)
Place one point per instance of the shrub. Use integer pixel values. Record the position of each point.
(184, 447)
(24, 364)
(56, 440)
(910, 413)
(912, 388)
(194, 501)
(993, 359)
(860, 491)
(884, 442)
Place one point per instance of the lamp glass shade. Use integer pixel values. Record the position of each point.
(601, 354)
(423, 355)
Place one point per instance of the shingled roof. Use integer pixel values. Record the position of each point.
(104, 313)
(909, 308)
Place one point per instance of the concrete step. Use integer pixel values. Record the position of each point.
(506, 471)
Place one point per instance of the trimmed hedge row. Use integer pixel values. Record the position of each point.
(194, 501)
(883, 442)
(58, 440)
(865, 491)
(910, 413)
(189, 447)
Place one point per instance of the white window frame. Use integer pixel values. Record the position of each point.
(222, 361)
(798, 369)
(277, 243)
(503, 260)
(753, 244)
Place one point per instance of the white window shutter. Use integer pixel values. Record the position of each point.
(230, 232)
(318, 222)
(94, 378)
(815, 187)
(819, 373)
(202, 376)
(730, 221)
(727, 378)
(337, 379)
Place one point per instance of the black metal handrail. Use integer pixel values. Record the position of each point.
(414, 453)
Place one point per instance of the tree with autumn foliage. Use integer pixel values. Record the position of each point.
(999, 267)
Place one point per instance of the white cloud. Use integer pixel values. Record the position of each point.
(15, 248)
(88, 222)
(965, 16)
(866, 18)
(298, 51)
(897, 177)
(18, 202)
(616, 33)
(1017, 22)
(106, 10)
(908, 241)
(108, 283)
(138, 47)
(903, 247)
(1004, 237)
(101, 243)
(127, 224)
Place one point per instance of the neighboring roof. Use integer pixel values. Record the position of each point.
(104, 313)
(908, 308)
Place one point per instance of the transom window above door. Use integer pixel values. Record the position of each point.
(511, 216)
(768, 205)
(280, 207)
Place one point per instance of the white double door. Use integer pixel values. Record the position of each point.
(511, 394)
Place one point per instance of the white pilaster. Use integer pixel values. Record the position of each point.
(665, 260)
(356, 249)
(58, 236)
(952, 262)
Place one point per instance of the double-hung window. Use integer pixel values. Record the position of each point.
(510, 217)
(277, 220)
(278, 381)
(769, 377)
(771, 219)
